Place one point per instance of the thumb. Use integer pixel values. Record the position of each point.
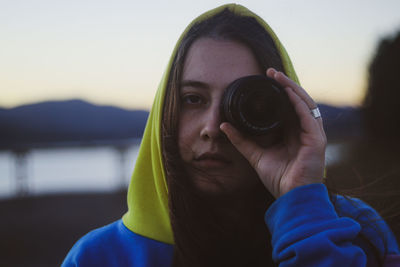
(246, 147)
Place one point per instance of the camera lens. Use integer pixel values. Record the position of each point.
(253, 104)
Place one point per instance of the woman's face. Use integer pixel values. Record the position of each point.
(211, 161)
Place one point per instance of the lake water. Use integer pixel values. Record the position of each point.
(67, 170)
(77, 169)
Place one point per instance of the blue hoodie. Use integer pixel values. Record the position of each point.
(307, 230)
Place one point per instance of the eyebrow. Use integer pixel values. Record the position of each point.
(195, 84)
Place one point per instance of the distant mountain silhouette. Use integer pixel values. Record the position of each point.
(68, 121)
(79, 121)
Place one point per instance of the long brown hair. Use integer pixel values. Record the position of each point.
(200, 237)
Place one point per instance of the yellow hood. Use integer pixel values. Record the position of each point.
(148, 213)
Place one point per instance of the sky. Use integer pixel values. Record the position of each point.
(115, 52)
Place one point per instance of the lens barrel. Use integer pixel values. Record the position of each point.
(254, 105)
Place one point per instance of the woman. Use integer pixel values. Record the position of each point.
(205, 194)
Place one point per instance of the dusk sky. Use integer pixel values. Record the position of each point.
(114, 52)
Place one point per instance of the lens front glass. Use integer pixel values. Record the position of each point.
(259, 108)
(252, 104)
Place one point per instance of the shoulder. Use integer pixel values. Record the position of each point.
(116, 245)
(373, 226)
(95, 246)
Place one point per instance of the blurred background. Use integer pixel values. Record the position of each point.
(77, 79)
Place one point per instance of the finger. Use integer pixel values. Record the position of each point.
(271, 72)
(246, 147)
(287, 82)
(319, 120)
(307, 122)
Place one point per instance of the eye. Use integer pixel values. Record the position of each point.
(192, 99)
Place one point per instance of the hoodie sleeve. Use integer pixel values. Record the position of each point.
(307, 231)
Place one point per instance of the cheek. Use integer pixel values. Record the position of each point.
(186, 139)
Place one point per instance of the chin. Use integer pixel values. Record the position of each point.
(214, 188)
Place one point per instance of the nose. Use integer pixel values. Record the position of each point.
(211, 121)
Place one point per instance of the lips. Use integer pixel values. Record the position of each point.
(212, 160)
